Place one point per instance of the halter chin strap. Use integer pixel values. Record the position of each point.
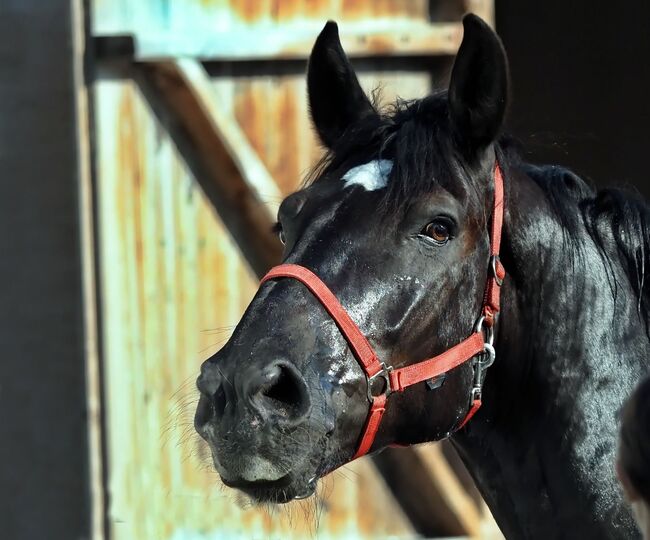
(476, 346)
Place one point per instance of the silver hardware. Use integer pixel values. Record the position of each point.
(384, 373)
(494, 259)
(489, 330)
(309, 490)
(488, 356)
(483, 361)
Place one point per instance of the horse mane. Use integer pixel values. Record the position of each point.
(616, 220)
(417, 137)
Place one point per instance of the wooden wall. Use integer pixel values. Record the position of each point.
(173, 286)
(173, 282)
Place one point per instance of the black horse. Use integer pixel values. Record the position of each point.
(395, 221)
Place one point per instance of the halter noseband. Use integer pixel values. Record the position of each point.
(396, 380)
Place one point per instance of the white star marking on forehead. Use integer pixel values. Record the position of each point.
(371, 176)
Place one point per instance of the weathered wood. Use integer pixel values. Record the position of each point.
(429, 492)
(279, 43)
(229, 171)
(96, 457)
(482, 8)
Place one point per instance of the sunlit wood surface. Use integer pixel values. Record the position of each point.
(173, 282)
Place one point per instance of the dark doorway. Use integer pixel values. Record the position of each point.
(581, 85)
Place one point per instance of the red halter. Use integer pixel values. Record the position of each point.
(396, 380)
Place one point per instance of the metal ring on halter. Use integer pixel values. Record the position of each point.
(494, 260)
(489, 331)
(384, 373)
(490, 354)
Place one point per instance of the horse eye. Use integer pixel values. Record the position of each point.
(438, 231)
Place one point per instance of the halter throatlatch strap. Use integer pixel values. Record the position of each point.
(497, 273)
(396, 380)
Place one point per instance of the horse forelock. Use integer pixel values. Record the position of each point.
(415, 137)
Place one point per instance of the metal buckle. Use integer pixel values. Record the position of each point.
(493, 267)
(489, 330)
(488, 356)
(384, 374)
(483, 361)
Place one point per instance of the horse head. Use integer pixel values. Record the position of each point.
(395, 225)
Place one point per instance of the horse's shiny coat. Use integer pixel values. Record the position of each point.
(286, 399)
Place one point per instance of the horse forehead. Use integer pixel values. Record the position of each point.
(370, 176)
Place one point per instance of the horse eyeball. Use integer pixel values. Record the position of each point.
(438, 231)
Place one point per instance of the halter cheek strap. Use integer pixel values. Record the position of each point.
(396, 380)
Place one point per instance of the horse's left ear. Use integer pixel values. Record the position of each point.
(336, 99)
(478, 91)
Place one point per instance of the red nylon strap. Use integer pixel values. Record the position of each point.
(497, 215)
(476, 405)
(377, 410)
(432, 367)
(492, 303)
(358, 342)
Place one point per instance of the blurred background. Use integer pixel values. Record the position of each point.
(145, 146)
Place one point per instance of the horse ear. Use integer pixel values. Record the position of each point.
(336, 99)
(478, 90)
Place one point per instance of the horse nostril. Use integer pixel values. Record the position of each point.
(209, 380)
(211, 386)
(281, 391)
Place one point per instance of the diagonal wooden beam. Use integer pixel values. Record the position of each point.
(236, 182)
(223, 162)
(429, 491)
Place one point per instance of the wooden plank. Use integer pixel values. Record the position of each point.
(226, 166)
(252, 169)
(482, 8)
(89, 283)
(429, 492)
(364, 39)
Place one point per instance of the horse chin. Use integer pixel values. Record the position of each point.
(284, 490)
(259, 485)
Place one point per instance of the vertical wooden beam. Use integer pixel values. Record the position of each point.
(80, 36)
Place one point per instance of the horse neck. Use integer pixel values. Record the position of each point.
(542, 449)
